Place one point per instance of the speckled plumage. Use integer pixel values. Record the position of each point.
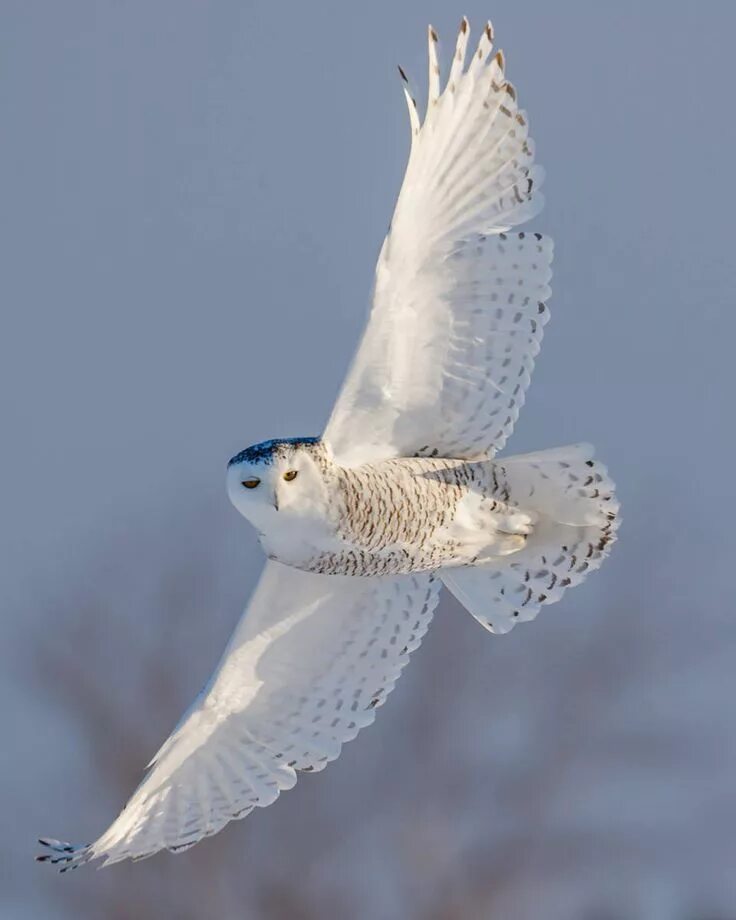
(401, 515)
(425, 514)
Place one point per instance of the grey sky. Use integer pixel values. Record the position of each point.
(193, 196)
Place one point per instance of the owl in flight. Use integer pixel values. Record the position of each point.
(403, 492)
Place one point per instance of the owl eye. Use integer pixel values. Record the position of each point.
(289, 475)
(250, 483)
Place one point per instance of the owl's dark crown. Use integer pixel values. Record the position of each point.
(268, 451)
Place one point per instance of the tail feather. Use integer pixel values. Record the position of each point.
(574, 499)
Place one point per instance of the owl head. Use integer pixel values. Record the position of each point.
(279, 478)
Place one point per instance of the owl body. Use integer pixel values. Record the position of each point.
(421, 514)
(397, 516)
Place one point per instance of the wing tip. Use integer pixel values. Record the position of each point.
(63, 854)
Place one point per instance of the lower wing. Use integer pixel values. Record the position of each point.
(309, 662)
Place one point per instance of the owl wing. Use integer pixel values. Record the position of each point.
(309, 662)
(459, 302)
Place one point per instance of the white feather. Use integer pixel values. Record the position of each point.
(574, 501)
(434, 349)
(307, 666)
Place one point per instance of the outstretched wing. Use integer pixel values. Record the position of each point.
(309, 662)
(459, 303)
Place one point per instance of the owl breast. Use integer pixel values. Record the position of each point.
(417, 514)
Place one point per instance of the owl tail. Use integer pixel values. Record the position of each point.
(575, 503)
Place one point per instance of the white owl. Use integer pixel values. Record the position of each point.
(401, 494)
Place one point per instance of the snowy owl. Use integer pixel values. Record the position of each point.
(402, 493)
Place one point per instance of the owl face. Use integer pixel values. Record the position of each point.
(278, 479)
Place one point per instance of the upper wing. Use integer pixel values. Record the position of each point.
(310, 660)
(458, 306)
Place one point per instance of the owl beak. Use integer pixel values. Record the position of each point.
(276, 499)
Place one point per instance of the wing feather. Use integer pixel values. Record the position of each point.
(309, 662)
(432, 365)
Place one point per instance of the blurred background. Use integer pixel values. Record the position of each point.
(193, 196)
